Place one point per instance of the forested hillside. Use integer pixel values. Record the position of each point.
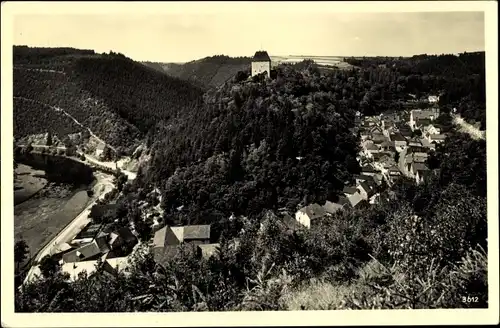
(459, 79)
(117, 98)
(258, 145)
(421, 247)
(251, 148)
(207, 72)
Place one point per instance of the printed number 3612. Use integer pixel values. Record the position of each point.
(470, 299)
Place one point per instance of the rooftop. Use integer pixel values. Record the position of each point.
(261, 56)
(197, 232)
(313, 211)
(349, 190)
(331, 207)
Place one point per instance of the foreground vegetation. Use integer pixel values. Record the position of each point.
(254, 148)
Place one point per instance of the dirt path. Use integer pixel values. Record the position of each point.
(58, 109)
(465, 127)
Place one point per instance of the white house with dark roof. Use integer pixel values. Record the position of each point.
(309, 213)
(261, 63)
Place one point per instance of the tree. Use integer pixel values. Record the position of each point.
(49, 266)
(144, 230)
(49, 138)
(21, 249)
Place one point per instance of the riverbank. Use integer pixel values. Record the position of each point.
(27, 183)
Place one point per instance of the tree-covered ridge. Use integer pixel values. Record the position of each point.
(101, 92)
(257, 145)
(460, 79)
(34, 118)
(207, 72)
(428, 259)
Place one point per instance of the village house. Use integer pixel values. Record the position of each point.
(392, 174)
(405, 131)
(349, 191)
(422, 124)
(417, 115)
(436, 138)
(384, 162)
(366, 189)
(422, 175)
(387, 146)
(369, 148)
(361, 177)
(87, 252)
(433, 99)
(290, 223)
(364, 134)
(417, 167)
(399, 141)
(333, 207)
(261, 63)
(376, 130)
(368, 170)
(194, 238)
(370, 121)
(378, 179)
(114, 243)
(378, 138)
(309, 213)
(431, 129)
(414, 142)
(355, 199)
(427, 144)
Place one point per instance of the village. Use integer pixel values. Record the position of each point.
(393, 144)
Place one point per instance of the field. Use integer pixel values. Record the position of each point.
(40, 218)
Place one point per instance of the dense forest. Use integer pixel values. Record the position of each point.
(461, 80)
(239, 154)
(434, 252)
(207, 72)
(100, 91)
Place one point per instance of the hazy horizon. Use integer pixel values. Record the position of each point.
(177, 38)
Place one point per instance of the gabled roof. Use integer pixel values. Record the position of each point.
(363, 177)
(355, 199)
(422, 114)
(423, 121)
(331, 207)
(438, 136)
(197, 232)
(366, 187)
(419, 167)
(261, 56)
(349, 190)
(126, 234)
(313, 211)
(397, 137)
(368, 168)
(371, 146)
(88, 251)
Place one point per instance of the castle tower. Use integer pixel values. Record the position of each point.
(261, 62)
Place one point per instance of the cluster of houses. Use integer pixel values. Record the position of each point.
(97, 245)
(392, 145)
(195, 239)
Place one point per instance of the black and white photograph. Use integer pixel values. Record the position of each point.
(278, 157)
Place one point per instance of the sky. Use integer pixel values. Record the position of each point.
(177, 37)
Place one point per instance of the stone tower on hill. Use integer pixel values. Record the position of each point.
(261, 62)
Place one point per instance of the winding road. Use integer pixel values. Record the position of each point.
(103, 186)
